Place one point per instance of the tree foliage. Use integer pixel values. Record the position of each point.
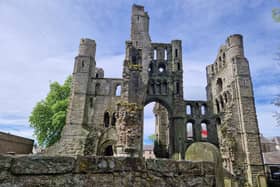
(49, 115)
(276, 14)
(152, 137)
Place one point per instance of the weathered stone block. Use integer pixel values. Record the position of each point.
(187, 167)
(168, 167)
(30, 165)
(88, 164)
(5, 162)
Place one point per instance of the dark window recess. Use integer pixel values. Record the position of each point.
(178, 66)
(177, 87)
(219, 85)
(109, 151)
(217, 106)
(106, 119)
(176, 53)
(97, 89)
(114, 119)
(90, 102)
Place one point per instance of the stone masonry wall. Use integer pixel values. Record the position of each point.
(23, 171)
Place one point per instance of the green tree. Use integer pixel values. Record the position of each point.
(49, 115)
(276, 14)
(152, 137)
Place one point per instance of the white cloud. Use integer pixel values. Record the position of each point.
(39, 41)
(27, 133)
(112, 65)
(267, 123)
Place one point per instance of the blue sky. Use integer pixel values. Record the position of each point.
(39, 40)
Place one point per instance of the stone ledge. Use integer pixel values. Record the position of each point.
(37, 170)
(39, 164)
(34, 165)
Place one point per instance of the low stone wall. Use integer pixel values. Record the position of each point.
(31, 171)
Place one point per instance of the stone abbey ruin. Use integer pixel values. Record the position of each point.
(204, 143)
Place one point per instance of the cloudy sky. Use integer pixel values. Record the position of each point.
(39, 40)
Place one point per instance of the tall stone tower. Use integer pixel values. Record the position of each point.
(230, 92)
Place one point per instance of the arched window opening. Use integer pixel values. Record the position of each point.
(106, 119)
(220, 59)
(150, 69)
(189, 129)
(134, 56)
(165, 54)
(204, 131)
(90, 102)
(217, 106)
(177, 87)
(203, 109)
(96, 75)
(97, 88)
(155, 54)
(179, 66)
(164, 87)
(83, 63)
(176, 53)
(118, 90)
(108, 151)
(189, 109)
(218, 121)
(219, 85)
(113, 122)
(161, 68)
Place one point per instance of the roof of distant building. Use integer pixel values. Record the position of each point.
(271, 157)
(148, 147)
(276, 139)
(266, 140)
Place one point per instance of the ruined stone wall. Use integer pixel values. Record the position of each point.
(102, 98)
(29, 171)
(199, 119)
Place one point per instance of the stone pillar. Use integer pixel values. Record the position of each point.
(129, 130)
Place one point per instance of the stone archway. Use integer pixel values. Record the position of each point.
(160, 132)
(107, 142)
